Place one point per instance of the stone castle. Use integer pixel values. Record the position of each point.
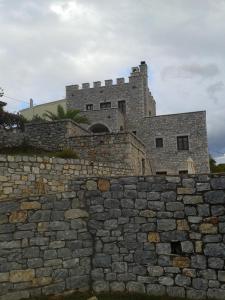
(170, 144)
(98, 223)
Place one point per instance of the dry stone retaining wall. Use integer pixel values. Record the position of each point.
(26, 175)
(156, 235)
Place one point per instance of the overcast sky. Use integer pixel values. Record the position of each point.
(47, 44)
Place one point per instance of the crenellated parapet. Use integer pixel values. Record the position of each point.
(138, 71)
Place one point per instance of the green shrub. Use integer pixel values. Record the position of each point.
(66, 153)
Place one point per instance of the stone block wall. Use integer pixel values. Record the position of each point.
(158, 235)
(120, 147)
(11, 138)
(45, 246)
(168, 127)
(155, 235)
(27, 175)
(52, 136)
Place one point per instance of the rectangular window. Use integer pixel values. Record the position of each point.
(89, 107)
(122, 106)
(159, 142)
(182, 143)
(182, 172)
(105, 105)
(161, 173)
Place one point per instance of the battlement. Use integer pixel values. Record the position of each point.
(135, 72)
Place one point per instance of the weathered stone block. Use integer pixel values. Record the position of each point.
(21, 275)
(76, 214)
(216, 263)
(165, 280)
(156, 289)
(200, 284)
(187, 246)
(30, 205)
(91, 185)
(221, 276)
(100, 286)
(153, 237)
(182, 225)
(166, 224)
(185, 190)
(198, 261)
(192, 200)
(163, 248)
(103, 185)
(181, 262)
(155, 271)
(215, 197)
(117, 286)
(208, 228)
(215, 294)
(135, 287)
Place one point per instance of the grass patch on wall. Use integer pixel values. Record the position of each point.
(32, 151)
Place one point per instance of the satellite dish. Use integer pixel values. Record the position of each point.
(1, 92)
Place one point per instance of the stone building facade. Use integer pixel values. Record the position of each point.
(170, 140)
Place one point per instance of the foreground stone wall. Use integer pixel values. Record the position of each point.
(45, 246)
(159, 235)
(155, 235)
(28, 175)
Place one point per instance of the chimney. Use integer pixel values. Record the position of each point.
(31, 103)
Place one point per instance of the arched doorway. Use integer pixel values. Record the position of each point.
(99, 128)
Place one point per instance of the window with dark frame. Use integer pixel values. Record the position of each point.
(105, 105)
(122, 106)
(182, 143)
(89, 107)
(159, 142)
(161, 173)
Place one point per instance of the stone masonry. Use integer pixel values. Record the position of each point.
(130, 107)
(156, 235)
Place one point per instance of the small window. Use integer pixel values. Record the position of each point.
(105, 105)
(161, 173)
(89, 107)
(149, 113)
(122, 106)
(182, 172)
(176, 248)
(134, 132)
(182, 143)
(121, 128)
(159, 142)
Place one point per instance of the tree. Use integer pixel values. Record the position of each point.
(214, 168)
(72, 114)
(9, 120)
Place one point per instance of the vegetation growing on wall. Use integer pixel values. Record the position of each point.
(9, 120)
(72, 114)
(214, 168)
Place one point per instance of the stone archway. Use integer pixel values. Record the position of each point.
(99, 128)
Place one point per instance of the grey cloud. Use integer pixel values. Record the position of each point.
(190, 71)
(214, 89)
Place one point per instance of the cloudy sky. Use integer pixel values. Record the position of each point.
(47, 44)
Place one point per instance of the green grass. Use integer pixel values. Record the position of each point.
(115, 296)
(32, 151)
